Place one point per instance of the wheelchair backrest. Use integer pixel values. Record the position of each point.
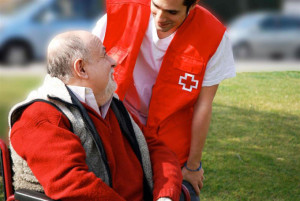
(6, 173)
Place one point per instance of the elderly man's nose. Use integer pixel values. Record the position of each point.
(113, 62)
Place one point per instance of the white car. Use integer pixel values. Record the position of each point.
(266, 35)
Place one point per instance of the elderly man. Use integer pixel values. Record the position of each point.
(74, 140)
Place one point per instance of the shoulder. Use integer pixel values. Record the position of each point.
(221, 65)
(40, 112)
(201, 11)
(205, 17)
(38, 121)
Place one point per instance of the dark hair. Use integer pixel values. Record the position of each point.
(188, 4)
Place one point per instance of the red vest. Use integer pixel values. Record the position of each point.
(179, 81)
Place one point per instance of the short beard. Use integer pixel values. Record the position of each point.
(108, 92)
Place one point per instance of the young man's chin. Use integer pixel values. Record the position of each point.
(162, 29)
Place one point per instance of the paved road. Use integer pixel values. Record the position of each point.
(39, 68)
(267, 66)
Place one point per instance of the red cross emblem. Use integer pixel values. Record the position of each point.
(188, 82)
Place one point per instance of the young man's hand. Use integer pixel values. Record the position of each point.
(194, 178)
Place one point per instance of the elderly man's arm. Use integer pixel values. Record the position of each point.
(56, 156)
(166, 170)
(167, 176)
(200, 126)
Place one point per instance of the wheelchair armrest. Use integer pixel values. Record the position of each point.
(29, 195)
(186, 193)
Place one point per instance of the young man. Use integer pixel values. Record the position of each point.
(172, 55)
(74, 141)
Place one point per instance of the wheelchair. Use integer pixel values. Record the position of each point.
(24, 194)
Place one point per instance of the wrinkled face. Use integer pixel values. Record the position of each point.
(100, 67)
(168, 15)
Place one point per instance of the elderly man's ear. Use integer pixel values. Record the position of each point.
(79, 69)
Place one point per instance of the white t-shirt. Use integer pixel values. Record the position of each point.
(220, 66)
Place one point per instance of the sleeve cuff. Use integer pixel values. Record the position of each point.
(172, 194)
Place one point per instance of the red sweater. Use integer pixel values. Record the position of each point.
(57, 158)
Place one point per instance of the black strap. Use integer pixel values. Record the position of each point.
(127, 130)
(126, 126)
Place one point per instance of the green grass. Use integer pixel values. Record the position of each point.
(253, 148)
(13, 90)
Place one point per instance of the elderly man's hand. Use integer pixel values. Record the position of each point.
(194, 178)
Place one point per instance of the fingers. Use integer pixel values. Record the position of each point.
(202, 179)
(196, 188)
(200, 182)
(200, 185)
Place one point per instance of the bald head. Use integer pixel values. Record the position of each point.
(65, 48)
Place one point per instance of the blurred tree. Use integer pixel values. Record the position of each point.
(226, 10)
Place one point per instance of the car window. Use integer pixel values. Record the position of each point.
(280, 23)
(245, 22)
(270, 23)
(289, 23)
(70, 10)
(63, 9)
(88, 9)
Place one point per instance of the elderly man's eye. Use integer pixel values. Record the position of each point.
(104, 55)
